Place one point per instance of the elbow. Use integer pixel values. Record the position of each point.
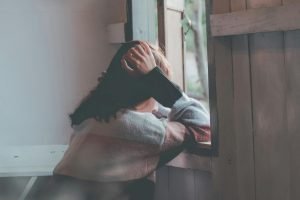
(200, 133)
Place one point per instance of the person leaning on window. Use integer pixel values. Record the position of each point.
(133, 122)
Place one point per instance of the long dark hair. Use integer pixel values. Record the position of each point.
(115, 90)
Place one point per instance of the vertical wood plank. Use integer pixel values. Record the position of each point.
(243, 118)
(292, 60)
(269, 112)
(243, 112)
(224, 166)
(162, 184)
(269, 116)
(203, 185)
(181, 184)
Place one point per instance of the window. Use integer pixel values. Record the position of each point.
(179, 27)
(194, 28)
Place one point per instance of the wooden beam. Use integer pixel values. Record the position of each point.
(277, 18)
(242, 107)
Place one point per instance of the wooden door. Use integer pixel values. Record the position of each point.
(260, 74)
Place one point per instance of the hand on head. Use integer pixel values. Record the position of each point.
(141, 58)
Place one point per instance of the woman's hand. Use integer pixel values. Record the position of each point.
(141, 58)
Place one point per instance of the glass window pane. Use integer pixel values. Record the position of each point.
(196, 71)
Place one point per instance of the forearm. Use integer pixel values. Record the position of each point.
(161, 88)
(187, 119)
(183, 109)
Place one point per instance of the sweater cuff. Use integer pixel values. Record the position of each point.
(161, 88)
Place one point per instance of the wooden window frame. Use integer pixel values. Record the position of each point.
(214, 148)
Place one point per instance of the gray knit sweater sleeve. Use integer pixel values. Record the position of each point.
(187, 111)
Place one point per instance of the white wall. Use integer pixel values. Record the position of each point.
(51, 53)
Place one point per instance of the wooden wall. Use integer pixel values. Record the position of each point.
(178, 184)
(258, 95)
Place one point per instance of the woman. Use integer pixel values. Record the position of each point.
(134, 121)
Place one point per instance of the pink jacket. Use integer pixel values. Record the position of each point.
(130, 146)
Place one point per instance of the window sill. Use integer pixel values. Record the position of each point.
(40, 160)
(35, 160)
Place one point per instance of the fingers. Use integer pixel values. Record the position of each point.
(128, 69)
(136, 53)
(141, 57)
(140, 49)
(146, 47)
(131, 59)
(134, 57)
